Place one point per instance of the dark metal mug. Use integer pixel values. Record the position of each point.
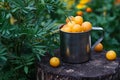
(76, 47)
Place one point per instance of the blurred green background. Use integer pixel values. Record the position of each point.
(29, 29)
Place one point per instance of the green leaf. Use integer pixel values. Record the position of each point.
(30, 63)
(8, 15)
(3, 58)
(38, 57)
(26, 69)
(18, 67)
(42, 1)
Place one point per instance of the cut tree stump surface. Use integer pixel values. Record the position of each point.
(97, 68)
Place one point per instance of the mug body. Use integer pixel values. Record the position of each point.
(75, 47)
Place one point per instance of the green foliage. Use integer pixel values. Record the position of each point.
(3, 58)
(27, 32)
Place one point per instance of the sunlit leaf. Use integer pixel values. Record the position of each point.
(26, 69)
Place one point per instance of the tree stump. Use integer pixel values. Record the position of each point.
(97, 68)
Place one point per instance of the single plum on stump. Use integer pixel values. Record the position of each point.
(97, 68)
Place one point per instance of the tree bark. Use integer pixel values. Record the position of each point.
(97, 68)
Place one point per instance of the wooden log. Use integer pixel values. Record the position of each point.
(97, 68)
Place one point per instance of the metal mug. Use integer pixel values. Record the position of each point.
(76, 47)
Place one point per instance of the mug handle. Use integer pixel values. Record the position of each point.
(101, 38)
